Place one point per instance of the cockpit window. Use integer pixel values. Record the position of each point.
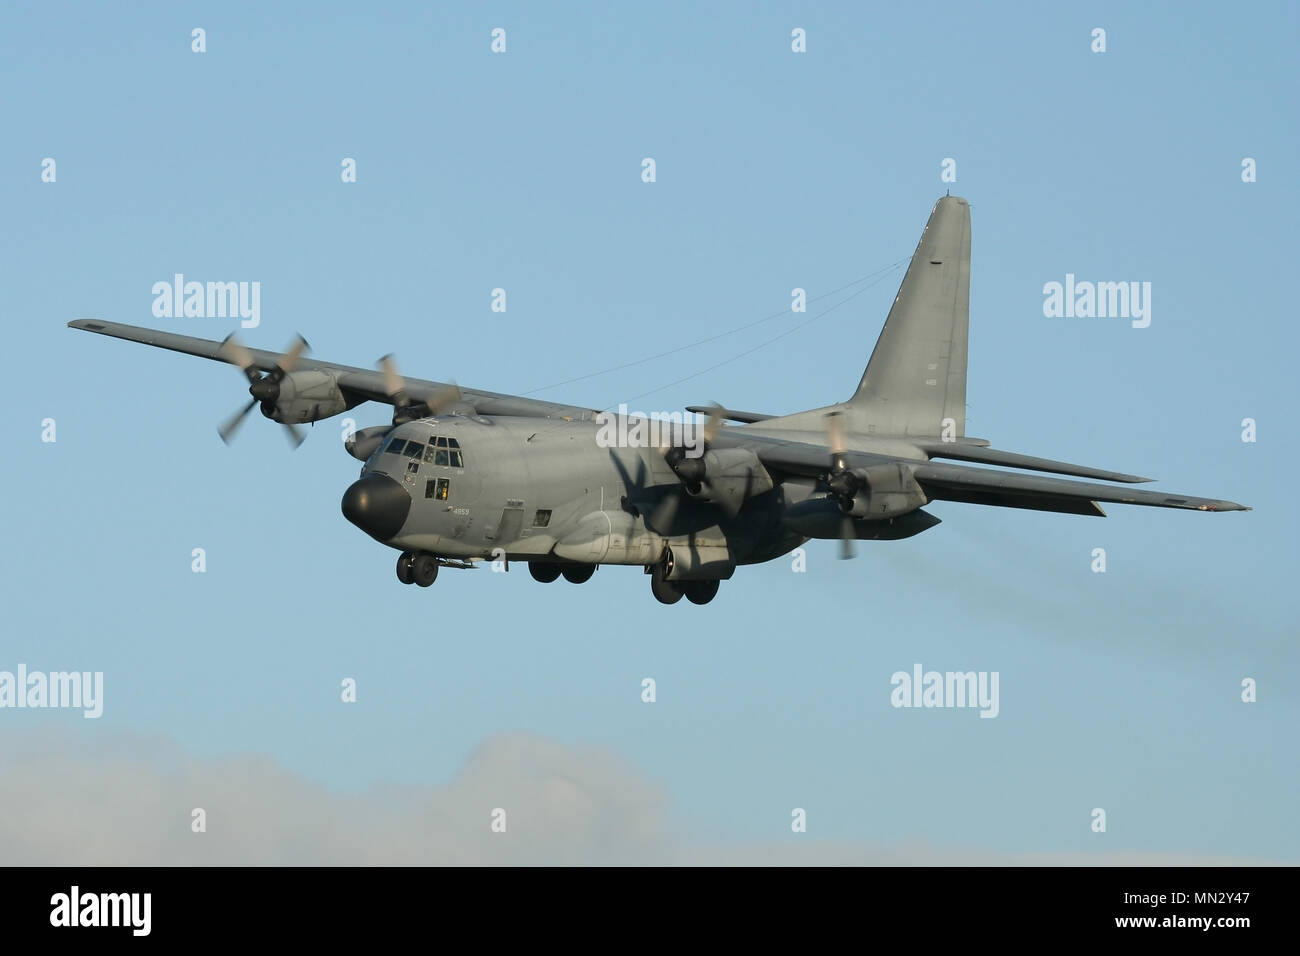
(445, 452)
(414, 449)
(395, 446)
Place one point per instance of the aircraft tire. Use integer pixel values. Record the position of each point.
(578, 573)
(544, 571)
(665, 591)
(424, 569)
(701, 592)
(404, 573)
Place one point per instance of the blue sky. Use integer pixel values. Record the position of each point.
(775, 170)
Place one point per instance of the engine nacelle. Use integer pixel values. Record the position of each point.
(730, 475)
(885, 491)
(306, 396)
(822, 518)
(692, 562)
(362, 444)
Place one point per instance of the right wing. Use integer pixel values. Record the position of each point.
(363, 383)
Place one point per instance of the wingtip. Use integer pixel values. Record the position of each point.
(1226, 506)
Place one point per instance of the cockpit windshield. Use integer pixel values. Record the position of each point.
(444, 451)
(400, 446)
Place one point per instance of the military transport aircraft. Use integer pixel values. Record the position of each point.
(460, 476)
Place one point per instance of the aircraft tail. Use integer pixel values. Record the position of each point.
(915, 382)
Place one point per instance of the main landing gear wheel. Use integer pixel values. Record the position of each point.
(544, 571)
(665, 591)
(404, 573)
(701, 592)
(578, 573)
(424, 569)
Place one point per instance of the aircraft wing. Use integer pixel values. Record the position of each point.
(942, 481)
(363, 383)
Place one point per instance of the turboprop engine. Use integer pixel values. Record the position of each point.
(721, 476)
(878, 491)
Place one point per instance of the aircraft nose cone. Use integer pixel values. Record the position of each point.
(377, 505)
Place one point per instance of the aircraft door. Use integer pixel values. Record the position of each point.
(511, 524)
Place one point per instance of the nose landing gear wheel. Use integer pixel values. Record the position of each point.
(544, 571)
(424, 569)
(665, 591)
(578, 573)
(404, 573)
(700, 592)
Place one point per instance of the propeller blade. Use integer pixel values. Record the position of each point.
(227, 429)
(295, 434)
(835, 433)
(290, 358)
(714, 424)
(443, 399)
(393, 383)
(846, 539)
(233, 351)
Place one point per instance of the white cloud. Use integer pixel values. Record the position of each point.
(129, 803)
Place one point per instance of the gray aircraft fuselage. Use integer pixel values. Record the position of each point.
(512, 469)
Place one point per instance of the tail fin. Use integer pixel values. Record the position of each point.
(916, 377)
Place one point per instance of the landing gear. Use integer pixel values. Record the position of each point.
(578, 573)
(544, 571)
(424, 569)
(667, 592)
(417, 567)
(670, 592)
(701, 592)
(404, 573)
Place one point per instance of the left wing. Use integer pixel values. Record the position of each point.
(363, 384)
(986, 486)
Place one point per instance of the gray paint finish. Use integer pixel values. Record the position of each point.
(533, 483)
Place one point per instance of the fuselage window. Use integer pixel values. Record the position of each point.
(542, 518)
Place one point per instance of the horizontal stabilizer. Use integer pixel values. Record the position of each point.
(730, 415)
(957, 451)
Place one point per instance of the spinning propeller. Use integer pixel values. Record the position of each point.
(265, 389)
(690, 470)
(407, 409)
(841, 480)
